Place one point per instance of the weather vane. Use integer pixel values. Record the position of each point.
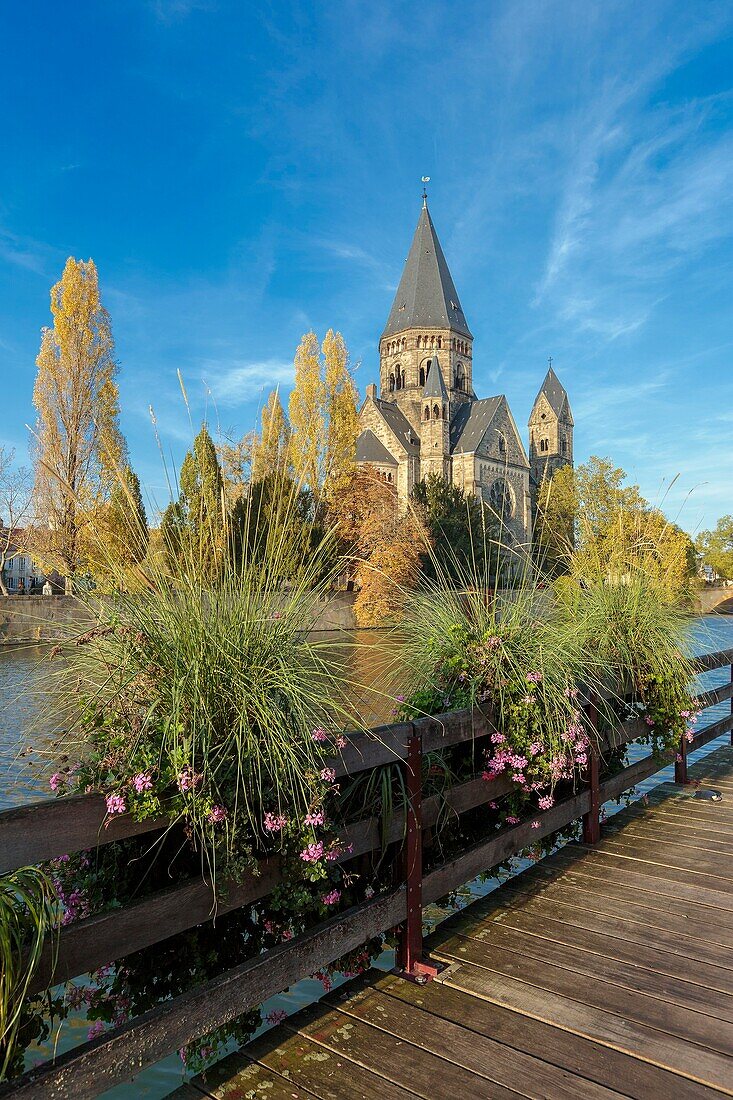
(549, 360)
(425, 179)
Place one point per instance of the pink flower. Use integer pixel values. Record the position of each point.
(217, 814)
(493, 642)
(341, 742)
(142, 782)
(488, 776)
(368, 892)
(319, 734)
(689, 736)
(546, 802)
(518, 777)
(685, 713)
(528, 700)
(314, 819)
(277, 614)
(649, 720)
(95, 1030)
(188, 780)
(275, 822)
(493, 805)
(678, 757)
(276, 1016)
(534, 677)
(56, 781)
(328, 775)
(535, 824)
(313, 852)
(512, 820)
(497, 738)
(115, 804)
(571, 693)
(331, 898)
(535, 748)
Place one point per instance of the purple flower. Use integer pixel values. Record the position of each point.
(546, 802)
(328, 775)
(217, 814)
(188, 780)
(319, 734)
(276, 1016)
(274, 823)
(341, 742)
(512, 820)
(142, 782)
(115, 804)
(56, 781)
(331, 898)
(95, 1030)
(534, 677)
(315, 818)
(535, 824)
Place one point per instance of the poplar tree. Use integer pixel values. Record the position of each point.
(271, 452)
(307, 421)
(193, 528)
(78, 445)
(341, 399)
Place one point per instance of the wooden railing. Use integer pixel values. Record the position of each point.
(48, 829)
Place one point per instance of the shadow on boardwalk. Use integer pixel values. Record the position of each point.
(599, 972)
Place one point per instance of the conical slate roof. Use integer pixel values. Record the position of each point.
(555, 393)
(426, 296)
(435, 383)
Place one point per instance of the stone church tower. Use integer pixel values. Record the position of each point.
(550, 430)
(426, 418)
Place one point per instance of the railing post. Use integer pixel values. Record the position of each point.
(592, 819)
(731, 702)
(680, 764)
(410, 962)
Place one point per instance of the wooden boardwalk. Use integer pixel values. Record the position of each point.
(600, 972)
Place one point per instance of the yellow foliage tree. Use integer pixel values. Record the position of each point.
(271, 452)
(323, 416)
(78, 443)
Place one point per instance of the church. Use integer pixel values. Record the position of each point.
(427, 418)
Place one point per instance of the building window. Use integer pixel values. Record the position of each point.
(422, 376)
(502, 444)
(563, 446)
(391, 383)
(427, 413)
(544, 445)
(500, 499)
(460, 380)
(436, 412)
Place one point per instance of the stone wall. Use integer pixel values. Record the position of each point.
(26, 619)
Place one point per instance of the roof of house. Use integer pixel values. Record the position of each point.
(470, 424)
(426, 296)
(555, 393)
(371, 449)
(400, 425)
(435, 383)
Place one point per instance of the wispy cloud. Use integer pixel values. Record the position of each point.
(238, 382)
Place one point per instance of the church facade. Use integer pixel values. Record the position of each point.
(425, 418)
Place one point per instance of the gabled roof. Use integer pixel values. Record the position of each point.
(470, 424)
(435, 383)
(370, 449)
(426, 296)
(399, 424)
(556, 394)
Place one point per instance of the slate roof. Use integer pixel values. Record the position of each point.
(435, 383)
(470, 423)
(400, 425)
(555, 393)
(370, 449)
(426, 296)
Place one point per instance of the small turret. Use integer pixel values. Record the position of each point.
(550, 429)
(435, 424)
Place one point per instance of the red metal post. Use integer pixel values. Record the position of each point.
(592, 820)
(680, 766)
(410, 963)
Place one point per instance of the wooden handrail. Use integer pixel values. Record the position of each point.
(79, 822)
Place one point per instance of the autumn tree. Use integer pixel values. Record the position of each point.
(193, 528)
(236, 459)
(77, 442)
(555, 522)
(716, 547)
(323, 416)
(16, 483)
(385, 543)
(117, 536)
(271, 451)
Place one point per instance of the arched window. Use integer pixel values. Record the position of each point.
(460, 380)
(502, 445)
(436, 412)
(426, 415)
(419, 341)
(500, 499)
(544, 445)
(422, 376)
(440, 343)
(404, 343)
(443, 412)
(398, 379)
(563, 446)
(391, 383)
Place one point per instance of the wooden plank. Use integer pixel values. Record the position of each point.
(713, 696)
(562, 1048)
(706, 662)
(397, 1060)
(581, 1013)
(712, 871)
(510, 1067)
(95, 1066)
(680, 837)
(44, 830)
(632, 1005)
(294, 1062)
(670, 975)
(668, 880)
(487, 854)
(601, 914)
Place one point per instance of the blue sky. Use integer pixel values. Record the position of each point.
(242, 173)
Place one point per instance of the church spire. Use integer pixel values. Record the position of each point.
(426, 296)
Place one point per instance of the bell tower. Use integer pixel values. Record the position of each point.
(426, 323)
(435, 425)
(550, 429)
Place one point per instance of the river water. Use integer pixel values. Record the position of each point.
(28, 730)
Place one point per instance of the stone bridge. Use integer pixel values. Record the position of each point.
(718, 601)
